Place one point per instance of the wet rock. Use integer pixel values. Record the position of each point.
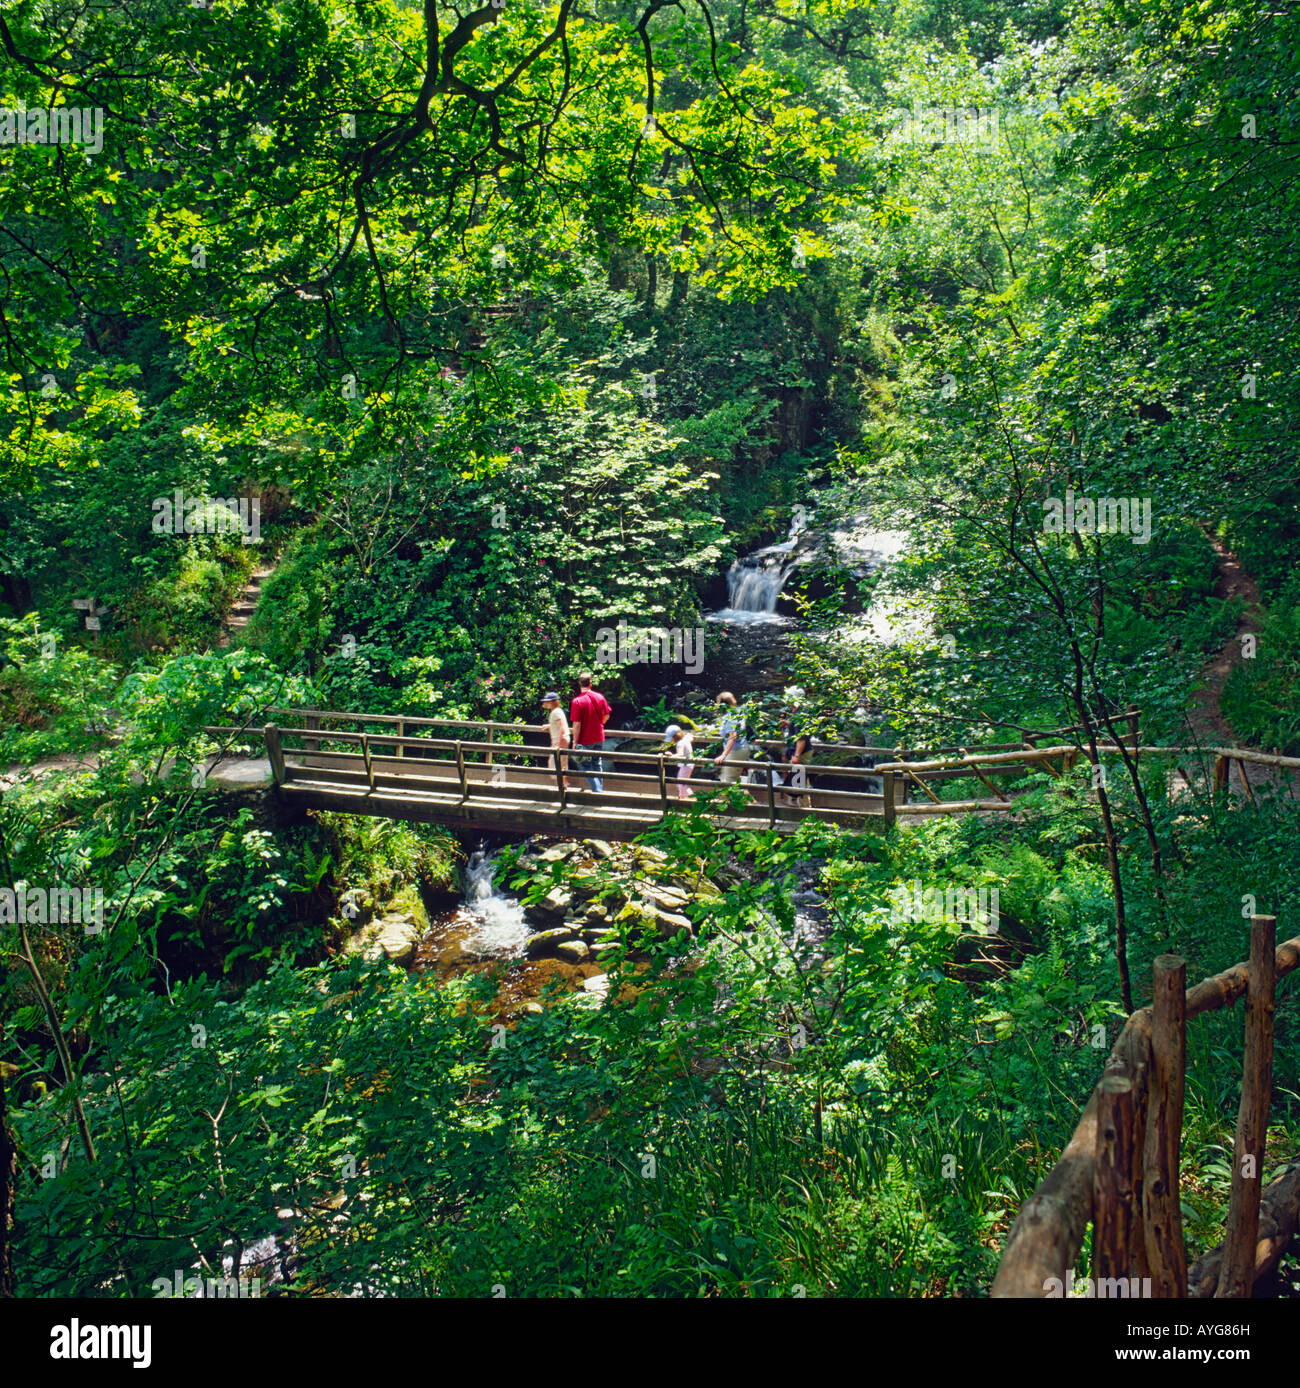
(596, 914)
(600, 848)
(600, 934)
(557, 853)
(648, 858)
(546, 942)
(604, 948)
(573, 951)
(551, 907)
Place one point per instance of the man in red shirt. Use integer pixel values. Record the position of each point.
(587, 716)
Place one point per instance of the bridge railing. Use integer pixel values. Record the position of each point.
(877, 790)
(1120, 1169)
(412, 763)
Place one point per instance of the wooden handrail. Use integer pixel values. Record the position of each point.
(493, 725)
(1048, 1231)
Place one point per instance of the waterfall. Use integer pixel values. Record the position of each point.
(501, 924)
(754, 584)
(755, 587)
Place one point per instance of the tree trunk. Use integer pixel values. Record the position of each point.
(8, 1179)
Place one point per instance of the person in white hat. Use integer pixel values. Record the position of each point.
(558, 727)
(683, 745)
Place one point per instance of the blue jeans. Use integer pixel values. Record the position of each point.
(590, 766)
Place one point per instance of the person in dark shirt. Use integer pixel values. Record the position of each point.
(797, 750)
(588, 714)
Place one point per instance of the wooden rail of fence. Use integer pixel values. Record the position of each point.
(1120, 1169)
(412, 744)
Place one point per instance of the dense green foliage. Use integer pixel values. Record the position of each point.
(520, 321)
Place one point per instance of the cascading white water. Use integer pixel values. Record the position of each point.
(754, 583)
(754, 587)
(502, 928)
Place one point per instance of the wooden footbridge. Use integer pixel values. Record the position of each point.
(505, 776)
(485, 775)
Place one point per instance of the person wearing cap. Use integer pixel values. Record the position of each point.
(683, 745)
(558, 727)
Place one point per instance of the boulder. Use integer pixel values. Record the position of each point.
(596, 914)
(600, 848)
(697, 888)
(667, 898)
(648, 858)
(668, 924)
(546, 941)
(636, 913)
(600, 934)
(573, 951)
(551, 907)
(603, 949)
(557, 853)
(392, 937)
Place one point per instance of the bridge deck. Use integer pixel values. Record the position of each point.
(501, 797)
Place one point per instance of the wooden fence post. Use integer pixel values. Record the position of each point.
(401, 733)
(1161, 1213)
(887, 786)
(1237, 1278)
(310, 744)
(1132, 716)
(460, 768)
(1220, 774)
(559, 775)
(275, 753)
(1113, 1178)
(490, 737)
(370, 766)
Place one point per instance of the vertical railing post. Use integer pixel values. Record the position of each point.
(401, 733)
(771, 794)
(1245, 781)
(1113, 1178)
(275, 753)
(1220, 774)
(1131, 715)
(460, 770)
(559, 758)
(491, 738)
(1237, 1277)
(663, 784)
(310, 744)
(1162, 1217)
(887, 786)
(370, 766)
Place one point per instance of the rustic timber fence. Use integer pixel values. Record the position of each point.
(1120, 1169)
(403, 756)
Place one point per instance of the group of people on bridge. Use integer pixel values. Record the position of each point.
(577, 742)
